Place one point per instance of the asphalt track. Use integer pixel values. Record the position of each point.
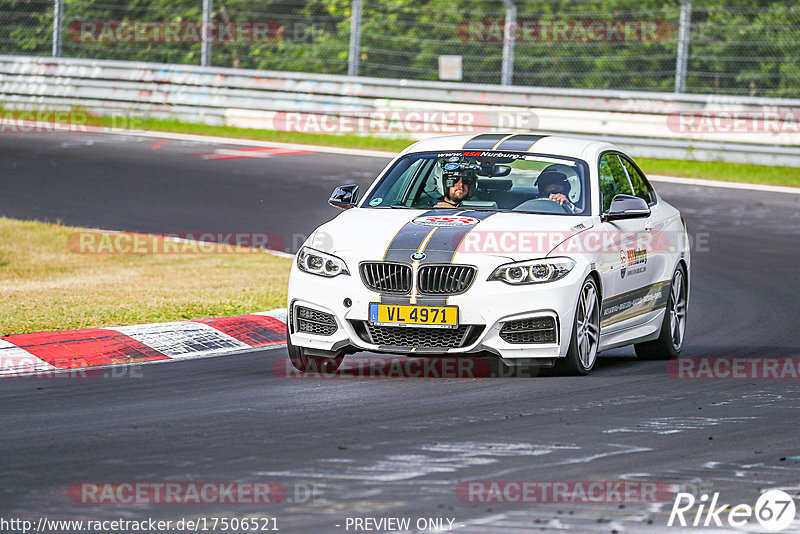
(395, 447)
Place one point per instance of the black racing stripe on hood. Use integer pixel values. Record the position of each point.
(521, 143)
(410, 237)
(483, 141)
(444, 243)
(406, 241)
(442, 248)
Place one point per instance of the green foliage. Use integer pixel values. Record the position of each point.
(735, 47)
(26, 27)
(613, 180)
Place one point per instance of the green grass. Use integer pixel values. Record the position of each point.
(344, 140)
(728, 172)
(48, 281)
(709, 170)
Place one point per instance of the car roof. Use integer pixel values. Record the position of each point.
(513, 141)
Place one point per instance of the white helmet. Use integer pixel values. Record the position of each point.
(446, 174)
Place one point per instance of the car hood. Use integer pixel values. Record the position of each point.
(370, 233)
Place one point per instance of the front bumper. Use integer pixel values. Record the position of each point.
(486, 307)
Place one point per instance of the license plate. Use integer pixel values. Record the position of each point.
(406, 315)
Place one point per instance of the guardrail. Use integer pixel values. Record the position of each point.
(662, 125)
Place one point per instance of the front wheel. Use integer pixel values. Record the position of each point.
(582, 351)
(670, 341)
(310, 364)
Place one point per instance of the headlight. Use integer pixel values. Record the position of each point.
(316, 262)
(533, 271)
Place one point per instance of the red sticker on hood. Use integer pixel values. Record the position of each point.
(439, 220)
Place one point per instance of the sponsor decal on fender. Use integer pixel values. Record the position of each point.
(634, 303)
(630, 259)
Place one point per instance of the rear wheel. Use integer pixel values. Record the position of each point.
(582, 351)
(311, 364)
(670, 340)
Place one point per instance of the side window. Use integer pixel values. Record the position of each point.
(613, 179)
(640, 185)
(397, 191)
(425, 192)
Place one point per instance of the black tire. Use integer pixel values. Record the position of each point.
(311, 364)
(670, 341)
(582, 352)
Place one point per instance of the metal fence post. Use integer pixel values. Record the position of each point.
(355, 38)
(58, 15)
(683, 46)
(509, 36)
(205, 43)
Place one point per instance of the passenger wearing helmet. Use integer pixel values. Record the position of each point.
(554, 186)
(456, 182)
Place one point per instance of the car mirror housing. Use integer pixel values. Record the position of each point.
(627, 207)
(344, 197)
(495, 171)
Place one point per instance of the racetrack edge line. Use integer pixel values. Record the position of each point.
(384, 154)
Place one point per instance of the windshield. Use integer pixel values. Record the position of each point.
(485, 180)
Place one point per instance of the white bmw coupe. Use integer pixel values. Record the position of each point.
(540, 250)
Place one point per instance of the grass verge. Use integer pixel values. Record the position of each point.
(46, 285)
(709, 170)
(340, 140)
(727, 172)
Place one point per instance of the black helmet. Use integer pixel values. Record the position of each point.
(550, 178)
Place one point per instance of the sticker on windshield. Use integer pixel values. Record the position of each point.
(434, 220)
(375, 201)
(451, 166)
(481, 153)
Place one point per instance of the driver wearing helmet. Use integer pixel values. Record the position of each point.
(554, 186)
(456, 182)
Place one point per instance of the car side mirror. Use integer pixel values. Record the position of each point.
(627, 207)
(344, 197)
